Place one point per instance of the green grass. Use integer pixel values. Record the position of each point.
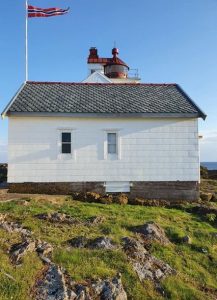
(195, 270)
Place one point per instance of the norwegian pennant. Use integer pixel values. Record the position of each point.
(36, 12)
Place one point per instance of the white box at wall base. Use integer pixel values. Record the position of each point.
(117, 187)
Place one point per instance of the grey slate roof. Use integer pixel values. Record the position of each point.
(76, 98)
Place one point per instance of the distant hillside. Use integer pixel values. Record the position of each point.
(3, 172)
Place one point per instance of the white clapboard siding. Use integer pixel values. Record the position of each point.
(149, 150)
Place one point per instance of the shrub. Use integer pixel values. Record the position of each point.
(211, 217)
(204, 172)
(3, 172)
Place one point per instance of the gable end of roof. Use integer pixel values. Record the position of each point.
(201, 113)
(6, 109)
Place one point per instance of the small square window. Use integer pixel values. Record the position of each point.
(66, 137)
(66, 147)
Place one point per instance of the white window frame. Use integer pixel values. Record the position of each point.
(61, 155)
(115, 156)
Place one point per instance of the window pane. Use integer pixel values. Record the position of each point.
(66, 137)
(112, 149)
(111, 138)
(66, 148)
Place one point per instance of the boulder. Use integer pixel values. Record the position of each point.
(101, 243)
(13, 226)
(134, 248)
(98, 243)
(95, 220)
(43, 248)
(202, 210)
(55, 284)
(110, 289)
(17, 251)
(152, 232)
(92, 197)
(121, 199)
(206, 196)
(137, 201)
(149, 202)
(214, 197)
(51, 285)
(78, 242)
(58, 218)
(145, 265)
(107, 199)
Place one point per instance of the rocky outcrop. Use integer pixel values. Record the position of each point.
(206, 196)
(28, 244)
(202, 210)
(51, 285)
(98, 243)
(152, 232)
(13, 227)
(95, 220)
(101, 243)
(61, 218)
(58, 218)
(109, 289)
(145, 265)
(17, 251)
(55, 284)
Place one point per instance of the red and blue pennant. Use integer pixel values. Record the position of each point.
(36, 12)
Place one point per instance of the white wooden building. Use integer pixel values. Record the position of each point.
(109, 133)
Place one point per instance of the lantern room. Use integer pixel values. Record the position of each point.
(112, 68)
(116, 68)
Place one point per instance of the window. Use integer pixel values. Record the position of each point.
(112, 143)
(66, 143)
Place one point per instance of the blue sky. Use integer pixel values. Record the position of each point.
(167, 40)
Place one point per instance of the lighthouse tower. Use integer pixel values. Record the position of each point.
(109, 70)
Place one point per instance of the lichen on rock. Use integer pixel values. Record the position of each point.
(150, 232)
(145, 265)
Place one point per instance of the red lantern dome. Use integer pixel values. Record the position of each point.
(116, 68)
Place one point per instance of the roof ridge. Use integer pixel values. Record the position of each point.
(97, 83)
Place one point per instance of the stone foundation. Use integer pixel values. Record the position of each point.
(166, 190)
(56, 188)
(163, 190)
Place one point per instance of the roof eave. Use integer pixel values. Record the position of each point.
(104, 115)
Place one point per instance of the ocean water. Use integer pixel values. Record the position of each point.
(210, 165)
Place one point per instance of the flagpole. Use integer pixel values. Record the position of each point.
(26, 40)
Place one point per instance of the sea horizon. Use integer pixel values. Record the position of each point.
(209, 165)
